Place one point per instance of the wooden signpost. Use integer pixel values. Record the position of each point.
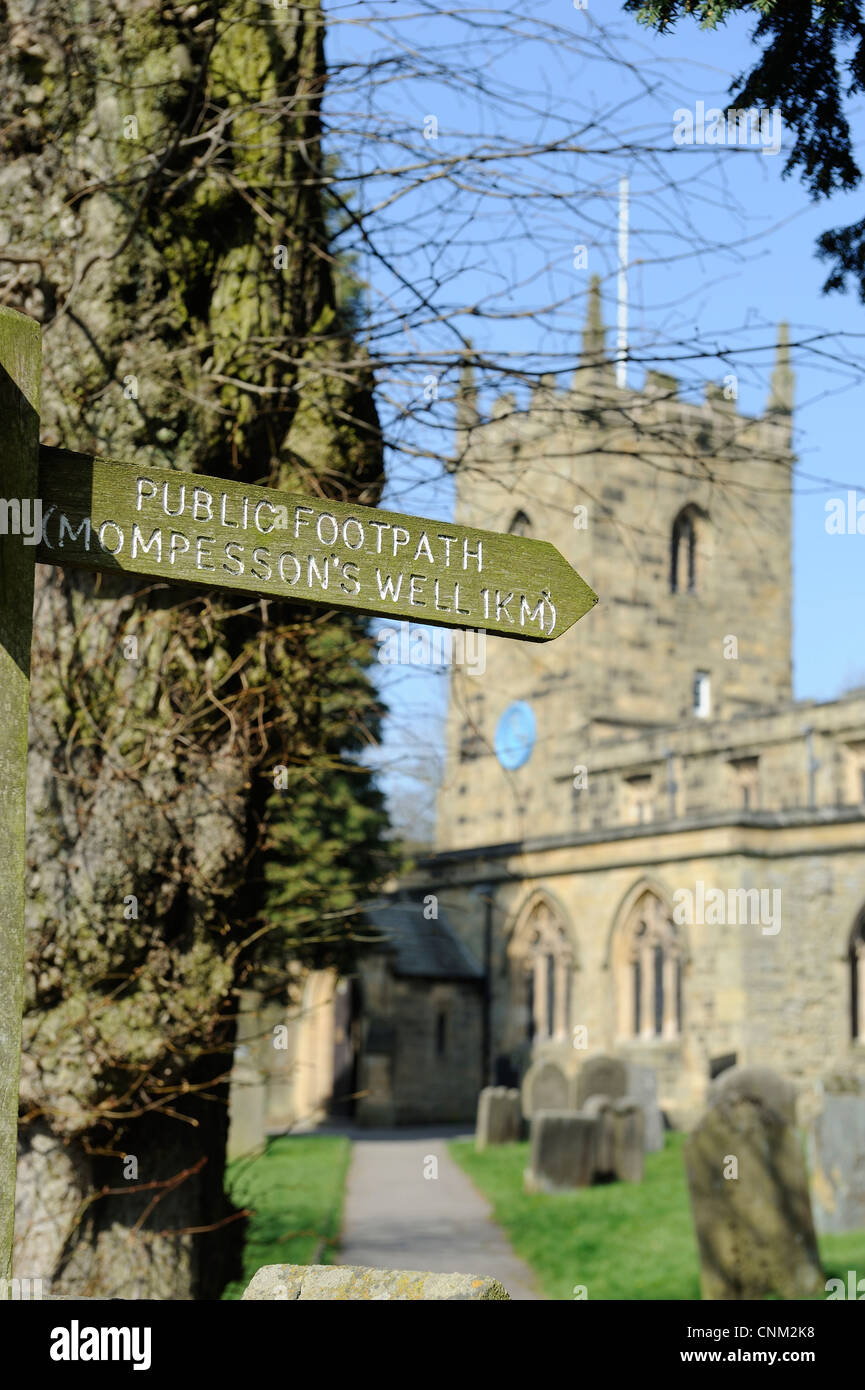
(192, 530)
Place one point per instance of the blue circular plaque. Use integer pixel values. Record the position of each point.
(515, 735)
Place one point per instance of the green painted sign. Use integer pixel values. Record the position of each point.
(187, 529)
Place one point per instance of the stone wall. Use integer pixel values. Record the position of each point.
(421, 1075)
(779, 998)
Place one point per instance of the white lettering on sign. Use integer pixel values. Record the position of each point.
(140, 545)
(177, 527)
(73, 535)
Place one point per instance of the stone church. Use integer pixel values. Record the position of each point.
(644, 845)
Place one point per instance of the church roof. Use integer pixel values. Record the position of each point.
(428, 948)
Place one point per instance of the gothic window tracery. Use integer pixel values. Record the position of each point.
(541, 961)
(649, 972)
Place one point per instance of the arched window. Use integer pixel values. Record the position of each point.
(857, 980)
(541, 960)
(441, 1033)
(683, 552)
(648, 964)
(520, 525)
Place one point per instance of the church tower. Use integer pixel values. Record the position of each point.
(678, 514)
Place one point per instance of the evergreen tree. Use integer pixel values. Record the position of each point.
(811, 66)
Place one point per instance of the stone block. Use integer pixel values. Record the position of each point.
(836, 1158)
(601, 1076)
(642, 1086)
(343, 1283)
(564, 1151)
(749, 1191)
(547, 1086)
(500, 1117)
(628, 1140)
(602, 1108)
(247, 1113)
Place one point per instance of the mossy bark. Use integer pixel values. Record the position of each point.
(153, 163)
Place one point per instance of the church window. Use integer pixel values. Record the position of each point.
(441, 1034)
(648, 966)
(520, 525)
(639, 809)
(541, 963)
(659, 990)
(855, 759)
(529, 983)
(702, 695)
(683, 553)
(745, 772)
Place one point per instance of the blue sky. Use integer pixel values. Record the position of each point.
(722, 248)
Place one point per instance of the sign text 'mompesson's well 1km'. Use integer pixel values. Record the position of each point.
(188, 529)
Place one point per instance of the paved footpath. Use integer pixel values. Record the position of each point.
(395, 1218)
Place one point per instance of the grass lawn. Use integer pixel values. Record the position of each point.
(295, 1192)
(621, 1240)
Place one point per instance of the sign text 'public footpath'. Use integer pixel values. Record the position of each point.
(188, 529)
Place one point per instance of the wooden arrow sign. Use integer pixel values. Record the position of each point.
(184, 528)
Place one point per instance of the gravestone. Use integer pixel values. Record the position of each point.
(547, 1087)
(247, 1097)
(749, 1191)
(642, 1086)
(601, 1076)
(602, 1109)
(248, 1112)
(628, 1140)
(836, 1157)
(564, 1151)
(500, 1117)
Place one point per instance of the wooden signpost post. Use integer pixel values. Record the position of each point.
(191, 530)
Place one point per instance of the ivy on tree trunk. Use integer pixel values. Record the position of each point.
(165, 217)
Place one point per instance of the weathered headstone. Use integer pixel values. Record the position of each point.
(500, 1117)
(564, 1151)
(749, 1191)
(341, 1283)
(601, 1076)
(836, 1157)
(546, 1086)
(248, 1112)
(247, 1097)
(602, 1108)
(642, 1085)
(628, 1140)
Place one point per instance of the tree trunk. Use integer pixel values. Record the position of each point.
(160, 192)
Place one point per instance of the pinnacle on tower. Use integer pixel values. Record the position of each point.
(467, 394)
(781, 393)
(594, 350)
